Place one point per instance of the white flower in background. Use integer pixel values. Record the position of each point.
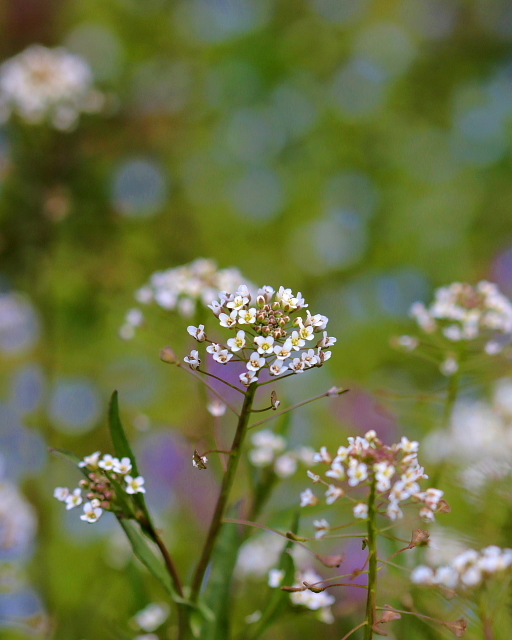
(53, 85)
(286, 465)
(309, 599)
(17, 522)
(333, 493)
(321, 527)
(468, 570)
(134, 485)
(133, 319)
(216, 408)
(61, 493)
(152, 616)
(92, 512)
(199, 282)
(461, 312)
(308, 498)
(275, 577)
(74, 499)
(360, 510)
(449, 366)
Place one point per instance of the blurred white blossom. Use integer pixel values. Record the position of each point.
(54, 85)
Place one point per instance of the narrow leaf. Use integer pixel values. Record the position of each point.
(279, 600)
(146, 555)
(218, 591)
(119, 440)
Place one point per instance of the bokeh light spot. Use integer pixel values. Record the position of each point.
(139, 189)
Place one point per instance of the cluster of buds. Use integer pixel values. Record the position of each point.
(269, 449)
(103, 474)
(460, 313)
(393, 471)
(468, 570)
(269, 333)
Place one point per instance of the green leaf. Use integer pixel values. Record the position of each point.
(122, 447)
(218, 591)
(146, 555)
(279, 600)
(70, 457)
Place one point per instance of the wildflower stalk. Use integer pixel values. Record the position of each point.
(225, 490)
(371, 601)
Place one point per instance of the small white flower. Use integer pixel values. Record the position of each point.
(265, 345)
(333, 493)
(393, 511)
(61, 493)
(336, 471)
(247, 316)
(91, 512)
(297, 341)
(297, 365)
(283, 351)
(357, 472)
(216, 408)
(255, 362)
(74, 499)
(327, 341)
(248, 378)
(285, 466)
(472, 577)
(321, 526)
(322, 456)
(238, 302)
(275, 577)
(230, 320)
(449, 366)
(446, 577)
(422, 575)
(123, 466)
(134, 485)
(223, 356)
(408, 446)
(193, 359)
(306, 333)
(261, 456)
(310, 358)
(427, 515)
(277, 368)
(313, 476)
(407, 343)
(108, 462)
(360, 511)
(152, 616)
(214, 348)
(308, 498)
(197, 332)
(237, 343)
(90, 461)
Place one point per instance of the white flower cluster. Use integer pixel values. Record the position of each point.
(462, 312)
(467, 570)
(152, 616)
(100, 494)
(181, 288)
(268, 336)
(41, 84)
(393, 469)
(269, 449)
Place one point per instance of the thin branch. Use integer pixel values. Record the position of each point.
(192, 372)
(354, 629)
(295, 406)
(212, 375)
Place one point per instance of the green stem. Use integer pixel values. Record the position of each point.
(225, 490)
(371, 601)
(451, 397)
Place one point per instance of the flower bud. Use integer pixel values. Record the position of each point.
(167, 355)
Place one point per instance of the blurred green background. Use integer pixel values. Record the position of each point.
(358, 151)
